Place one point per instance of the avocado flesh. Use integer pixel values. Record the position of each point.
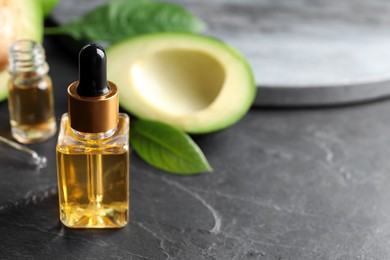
(179, 80)
(19, 19)
(193, 82)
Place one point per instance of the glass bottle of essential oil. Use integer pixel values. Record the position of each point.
(30, 93)
(93, 150)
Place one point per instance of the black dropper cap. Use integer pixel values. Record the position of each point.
(92, 71)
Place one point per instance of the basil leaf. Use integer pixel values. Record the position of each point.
(167, 148)
(118, 20)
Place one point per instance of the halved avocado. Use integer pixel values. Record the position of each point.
(19, 19)
(193, 82)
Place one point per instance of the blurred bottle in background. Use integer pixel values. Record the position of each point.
(30, 93)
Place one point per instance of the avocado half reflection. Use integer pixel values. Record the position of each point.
(195, 83)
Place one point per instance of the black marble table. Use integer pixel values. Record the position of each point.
(287, 184)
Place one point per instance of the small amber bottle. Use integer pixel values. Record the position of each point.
(30, 93)
(93, 150)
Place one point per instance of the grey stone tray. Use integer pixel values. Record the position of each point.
(302, 52)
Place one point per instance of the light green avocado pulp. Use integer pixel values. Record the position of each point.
(193, 82)
(178, 81)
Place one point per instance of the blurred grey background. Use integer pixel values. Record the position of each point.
(303, 52)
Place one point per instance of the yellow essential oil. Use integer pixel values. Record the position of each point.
(93, 178)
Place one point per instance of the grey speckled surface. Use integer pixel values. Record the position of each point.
(287, 184)
(303, 52)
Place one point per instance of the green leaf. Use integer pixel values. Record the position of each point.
(48, 6)
(121, 19)
(167, 148)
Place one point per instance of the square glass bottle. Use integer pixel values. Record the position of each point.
(93, 176)
(93, 150)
